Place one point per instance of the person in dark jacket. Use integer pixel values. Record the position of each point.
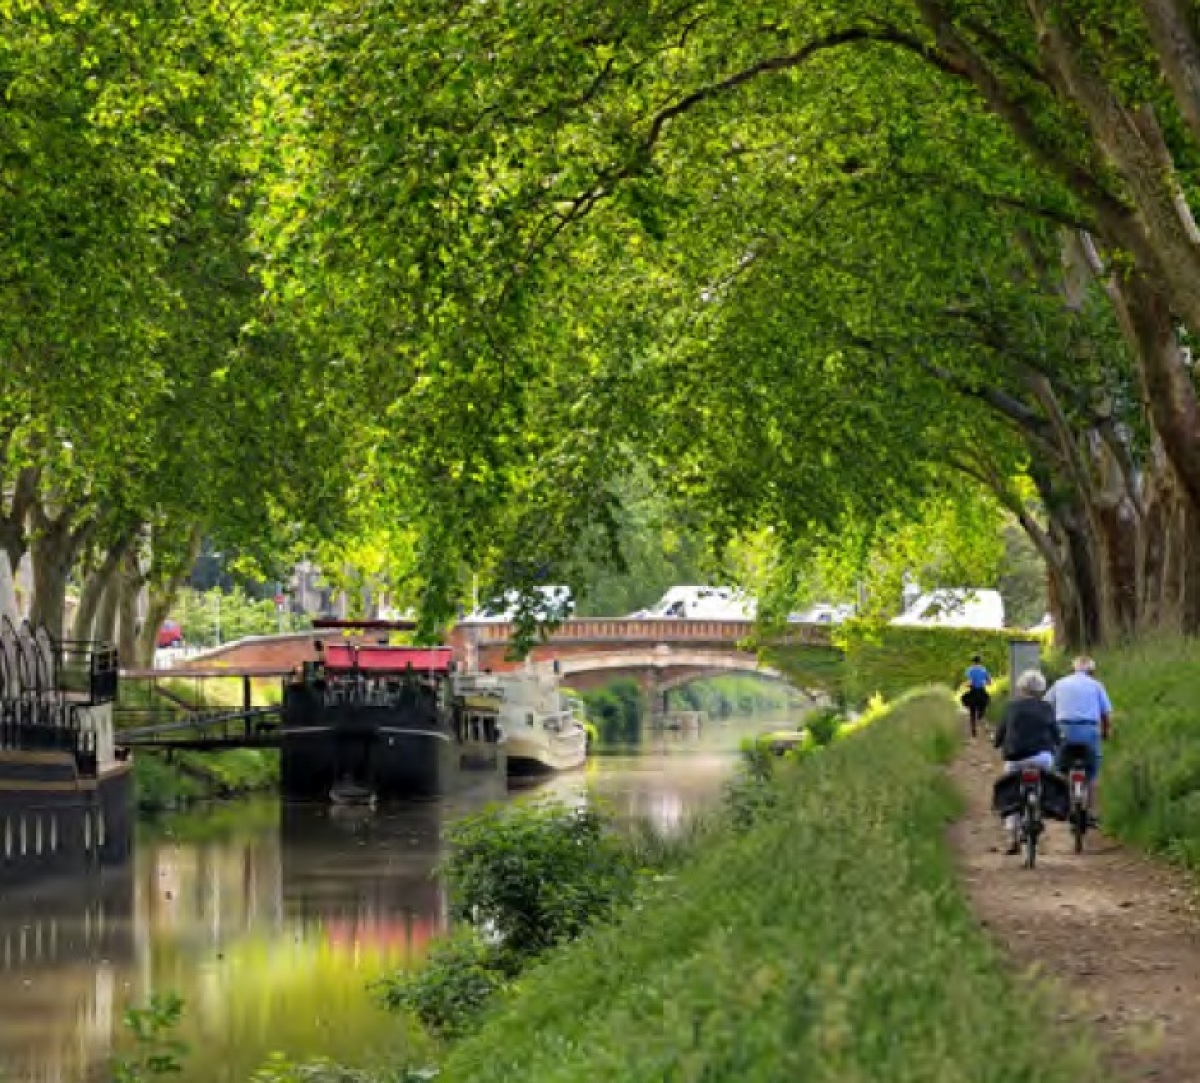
(1027, 736)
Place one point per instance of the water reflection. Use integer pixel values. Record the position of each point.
(271, 921)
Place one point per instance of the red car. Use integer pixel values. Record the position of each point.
(170, 634)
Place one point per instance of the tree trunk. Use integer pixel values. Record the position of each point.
(1179, 54)
(129, 585)
(94, 590)
(163, 586)
(8, 590)
(53, 554)
(1167, 387)
(104, 630)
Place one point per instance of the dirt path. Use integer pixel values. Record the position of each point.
(1120, 931)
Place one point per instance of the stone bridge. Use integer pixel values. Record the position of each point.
(659, 654)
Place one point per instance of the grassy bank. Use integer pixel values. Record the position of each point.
(1150, 786)
(829, 942)
(161, 784)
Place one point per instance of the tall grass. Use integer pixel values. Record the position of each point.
(1150, 782)
(827, 942)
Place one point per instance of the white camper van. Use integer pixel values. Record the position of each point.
(700, 603)
(957, 607)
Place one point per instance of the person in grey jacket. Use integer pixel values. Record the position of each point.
(1028, 736)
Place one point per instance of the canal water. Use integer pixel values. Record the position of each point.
(271, 922)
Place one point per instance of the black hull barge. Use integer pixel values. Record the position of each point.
(378, 723)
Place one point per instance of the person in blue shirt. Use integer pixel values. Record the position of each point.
(1084, 715)
(976, 698)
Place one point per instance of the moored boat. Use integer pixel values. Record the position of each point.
(350, 793)
(374, 720)
(543, 727)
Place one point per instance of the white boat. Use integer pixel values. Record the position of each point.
(543, 729)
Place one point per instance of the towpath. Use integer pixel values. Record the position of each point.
(1120, 933)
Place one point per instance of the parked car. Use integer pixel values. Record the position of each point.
(170, 634)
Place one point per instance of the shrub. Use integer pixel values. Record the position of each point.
(447, 993)
(828, 943)
(616, 709)
(158, 1051)
(751, 793)
(823, 724)
(533, 875)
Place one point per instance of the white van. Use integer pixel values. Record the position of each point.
(700, 603)
(956, 607)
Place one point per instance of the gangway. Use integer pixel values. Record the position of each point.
(213, 729)
(170, 721)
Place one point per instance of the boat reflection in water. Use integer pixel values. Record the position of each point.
(64, 950)
(271, 926)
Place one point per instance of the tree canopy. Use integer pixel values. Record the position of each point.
(437, 280)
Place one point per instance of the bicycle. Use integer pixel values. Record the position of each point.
(1031, 825)
(1073, 764)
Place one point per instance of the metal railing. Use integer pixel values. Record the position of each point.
(47, 689)
(89, 670)
(38, 726)
(33, 665)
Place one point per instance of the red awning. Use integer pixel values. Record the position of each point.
(344, 656)
(339, 656)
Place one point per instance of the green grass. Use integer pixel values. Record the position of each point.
(829, 942)
(195, 776)
(199, 692)
(1150, 783)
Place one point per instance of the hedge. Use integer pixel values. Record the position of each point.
(871, 658)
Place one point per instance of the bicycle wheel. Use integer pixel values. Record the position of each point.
(1031, 841)
(1079, 827)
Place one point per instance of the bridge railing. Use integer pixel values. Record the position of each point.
(601, 629)
(669, 630)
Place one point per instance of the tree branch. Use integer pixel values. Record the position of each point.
(787, 61)
(1009, 107)
(1178, 50)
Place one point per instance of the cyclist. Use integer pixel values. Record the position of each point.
(1028, 737)
(1084, 714)
(976, 698)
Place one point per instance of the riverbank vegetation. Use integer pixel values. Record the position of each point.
(1150, 785)
(173, 780)
(826, 940)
